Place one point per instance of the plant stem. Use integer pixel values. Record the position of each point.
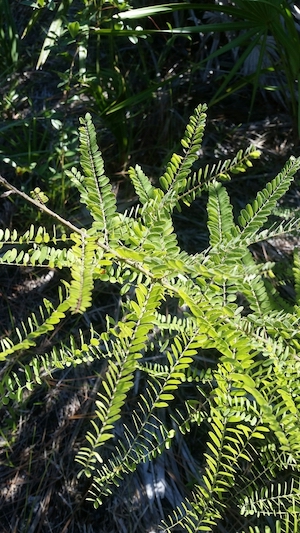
(41, 206)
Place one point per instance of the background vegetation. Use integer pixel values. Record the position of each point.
(140, 71)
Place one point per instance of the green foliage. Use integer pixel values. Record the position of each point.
(111, 56)
(103, 58)
(83, 50)
(225, 370)
(265, 39)
(9, 38)
(262, 35)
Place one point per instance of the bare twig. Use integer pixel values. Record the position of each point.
(40, 206)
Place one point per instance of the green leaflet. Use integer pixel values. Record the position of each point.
(120, 374)
(220, 218)
(254, 216)
(143, 187)
(82, 273)
(94, 187)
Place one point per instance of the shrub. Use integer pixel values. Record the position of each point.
(223, 365)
